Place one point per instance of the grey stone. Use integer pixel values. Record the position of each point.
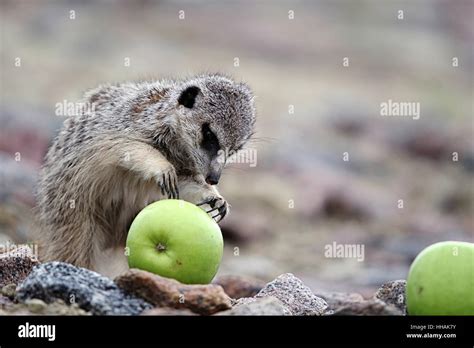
(35, 305)
(91, 291)
(297, 297)
(336, 300)
(5, 302)
(161, 311)
(368, 307)
(258, 306)
(9, 291)
(393, 293)
(15, 265)
(237, 286)
(38, 307)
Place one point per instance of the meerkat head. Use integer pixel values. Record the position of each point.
(216, 117)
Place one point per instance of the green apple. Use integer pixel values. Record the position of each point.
(441, 280)
(175, 239)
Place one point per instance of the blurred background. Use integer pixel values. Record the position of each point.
(330, 169)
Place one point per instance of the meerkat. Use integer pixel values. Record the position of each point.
(139, 143)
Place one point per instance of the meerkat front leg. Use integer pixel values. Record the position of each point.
(148, 163)
(197, 191)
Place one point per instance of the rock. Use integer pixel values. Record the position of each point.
(339, 205)
(5, 302)
(393, 293)
(38, 307)
(239, 286)
(243, 300)
(261, 306)
(91, 291)
(163, 292)
(35, 305)
(368, 307)
(15, 265)
(427, 143)
(167, 311)
(9, 291)
(336, 300)
(457, 202)
(297, 297)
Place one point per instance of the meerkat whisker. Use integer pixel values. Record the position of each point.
(204, 202)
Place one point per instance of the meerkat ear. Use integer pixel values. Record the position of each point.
(188, 96)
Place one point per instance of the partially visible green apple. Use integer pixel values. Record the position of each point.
(441, 280)
(175, 239)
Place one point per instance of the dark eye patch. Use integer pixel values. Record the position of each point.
(209, 143)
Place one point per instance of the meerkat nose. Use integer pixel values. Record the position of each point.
(213, 178)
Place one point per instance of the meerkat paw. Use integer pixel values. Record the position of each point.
(206, 196)
(219, 207)
(168, 182)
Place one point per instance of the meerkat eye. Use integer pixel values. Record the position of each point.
(210, 143)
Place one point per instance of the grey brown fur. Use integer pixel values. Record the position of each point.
(143, 142)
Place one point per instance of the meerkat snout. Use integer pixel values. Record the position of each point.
(213, 177)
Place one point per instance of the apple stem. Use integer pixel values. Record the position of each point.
(160, 247)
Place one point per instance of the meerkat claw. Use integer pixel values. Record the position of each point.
(176, 190)
(217, 216)
(221, 212)
(169, 185)
(220, 216)
(210, 201)
(171, 188)
(211, 210)
(162, 187)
